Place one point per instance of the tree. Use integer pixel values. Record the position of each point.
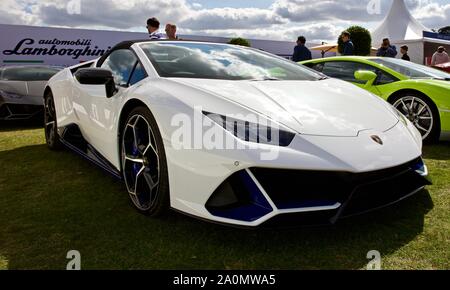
(240, 41)
(361, 40)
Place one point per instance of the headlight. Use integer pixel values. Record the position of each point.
(253, 132)
(410, 126)
(400, 116)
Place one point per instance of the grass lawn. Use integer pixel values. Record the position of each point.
(51, 203)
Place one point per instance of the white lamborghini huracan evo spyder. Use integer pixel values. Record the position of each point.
(233, 135)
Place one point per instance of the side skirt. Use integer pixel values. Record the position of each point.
(72, 138)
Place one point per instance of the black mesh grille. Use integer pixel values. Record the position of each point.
(24, 109)
(384, 192)
(290, 189)
(4, 113)
(296, 189)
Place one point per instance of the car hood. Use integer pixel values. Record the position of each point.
(24, 88)
(328, 108)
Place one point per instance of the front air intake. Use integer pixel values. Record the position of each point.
(291, 189)
(239, 198)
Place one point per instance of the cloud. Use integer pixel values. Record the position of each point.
(433, 15)
(314, 33)
(197, 5)
(17, 12)
(319, 20)
(313, 11)
(231, 18)
(115, 14)
(429, 12)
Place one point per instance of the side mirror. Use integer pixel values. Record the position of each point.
(368, 76)
(97, 76)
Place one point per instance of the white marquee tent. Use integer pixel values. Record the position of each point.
(403, 29)
(399, 24)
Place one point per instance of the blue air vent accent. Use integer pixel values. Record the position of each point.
(239, 198)
(420, 167)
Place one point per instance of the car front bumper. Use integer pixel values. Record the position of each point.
(313, 197)
(19, 107)
(319, 178)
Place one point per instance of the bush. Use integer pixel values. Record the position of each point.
(361, 40)
(240, 41)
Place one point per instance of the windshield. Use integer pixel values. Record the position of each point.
(412, 70)
(28, 74)
(221, 61)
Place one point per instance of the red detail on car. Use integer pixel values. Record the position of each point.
(443, 66)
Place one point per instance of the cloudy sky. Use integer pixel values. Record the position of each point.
(318, 20)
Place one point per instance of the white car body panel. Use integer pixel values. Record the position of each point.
(313, 110)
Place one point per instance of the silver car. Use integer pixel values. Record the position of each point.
(22, 90)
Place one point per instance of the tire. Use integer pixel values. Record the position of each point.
(51, 125)
(144, 165)
(422, 112)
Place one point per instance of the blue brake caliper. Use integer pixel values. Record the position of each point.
(136, 167)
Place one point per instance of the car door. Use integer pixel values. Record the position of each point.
(101, 112)
(345, 70)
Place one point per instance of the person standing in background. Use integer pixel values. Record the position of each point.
(440, 56)
(387, 50)
(153, 29)
(404, 52)
(171, 31)
(349, 48)
(301, 52)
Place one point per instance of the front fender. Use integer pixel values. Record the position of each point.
(437, 91)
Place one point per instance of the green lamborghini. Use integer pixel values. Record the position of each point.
(421, 93)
